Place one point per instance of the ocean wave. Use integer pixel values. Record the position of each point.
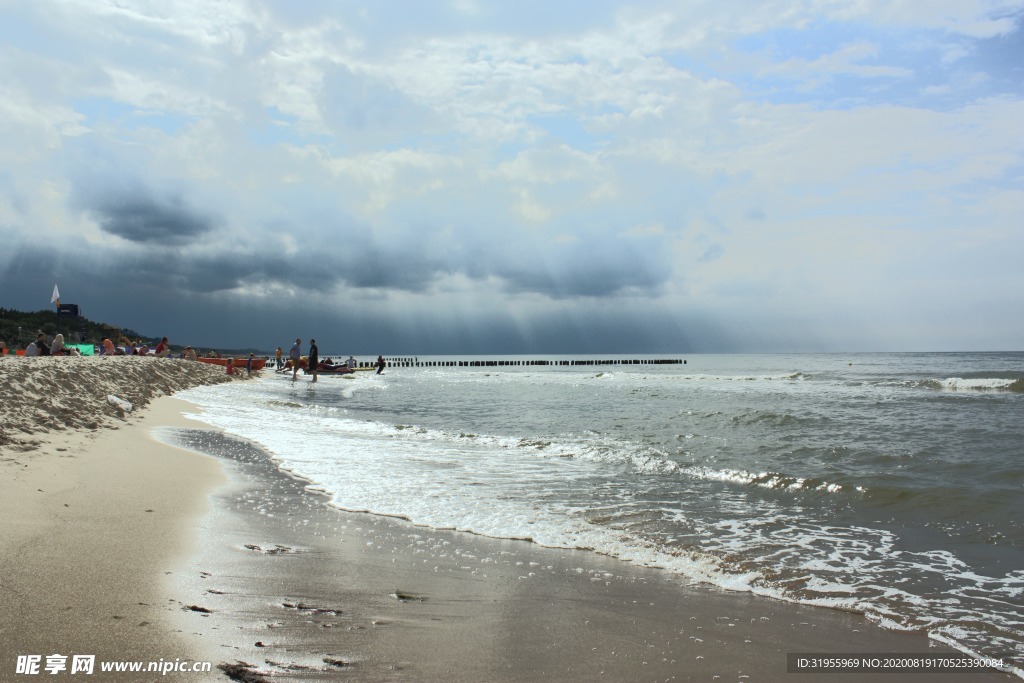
(975, 384)
(585, 447)
(787, 377)
(640, 459)
(768, 480)
(790, 558)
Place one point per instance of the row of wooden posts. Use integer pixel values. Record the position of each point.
(416, 363)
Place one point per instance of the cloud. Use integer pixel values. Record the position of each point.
(849, 60)
(973, 18)
(482, 174)
(602, 270)
(144, 220)
(366, 111)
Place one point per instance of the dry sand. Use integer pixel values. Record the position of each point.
(43, 395)
(93, 511)
(110, 541)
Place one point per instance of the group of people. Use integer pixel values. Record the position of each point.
(295, 359)
(312, 364)
(126, 347)
(40, 347)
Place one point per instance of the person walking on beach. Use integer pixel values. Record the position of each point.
(380, 364)
(314, 358)
(295, 355)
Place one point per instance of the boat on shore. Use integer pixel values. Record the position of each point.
(257, 363)
(322, 368)
(333, 369)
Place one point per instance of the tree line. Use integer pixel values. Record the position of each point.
(18, 328)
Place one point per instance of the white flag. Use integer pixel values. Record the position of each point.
(55, 299)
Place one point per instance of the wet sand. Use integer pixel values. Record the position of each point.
(298, 590)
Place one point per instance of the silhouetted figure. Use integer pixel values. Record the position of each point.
(313, 364)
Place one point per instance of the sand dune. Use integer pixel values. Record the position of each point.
(50, 394)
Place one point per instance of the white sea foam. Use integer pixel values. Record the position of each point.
(984, 384)
(768, 480)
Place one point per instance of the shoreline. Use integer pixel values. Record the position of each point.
(115, 542)
(299, 589)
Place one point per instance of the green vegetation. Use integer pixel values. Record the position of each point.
(18, 328)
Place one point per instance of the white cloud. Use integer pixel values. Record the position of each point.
(546, 166)
(846, 60)
(657, 153)
(973, 18)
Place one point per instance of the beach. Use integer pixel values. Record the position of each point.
(94, 511)
(148, 536)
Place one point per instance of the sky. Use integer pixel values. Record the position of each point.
(471, 176)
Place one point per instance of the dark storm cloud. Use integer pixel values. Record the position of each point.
(210, 273)
(596, 269)
(588, 280)
(320, 269)
(144, 220)
(116, 185)
(314, 269)
(157, 295)
(401, 268)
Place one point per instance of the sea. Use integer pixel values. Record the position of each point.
(888, 484)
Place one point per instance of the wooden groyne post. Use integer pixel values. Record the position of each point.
(414, 362)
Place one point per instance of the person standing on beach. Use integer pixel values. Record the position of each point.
(277, 357)
(295, 355)
(314, 358)
(380, 364)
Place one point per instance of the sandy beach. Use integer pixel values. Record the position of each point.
(94, 510)
(146, 536)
